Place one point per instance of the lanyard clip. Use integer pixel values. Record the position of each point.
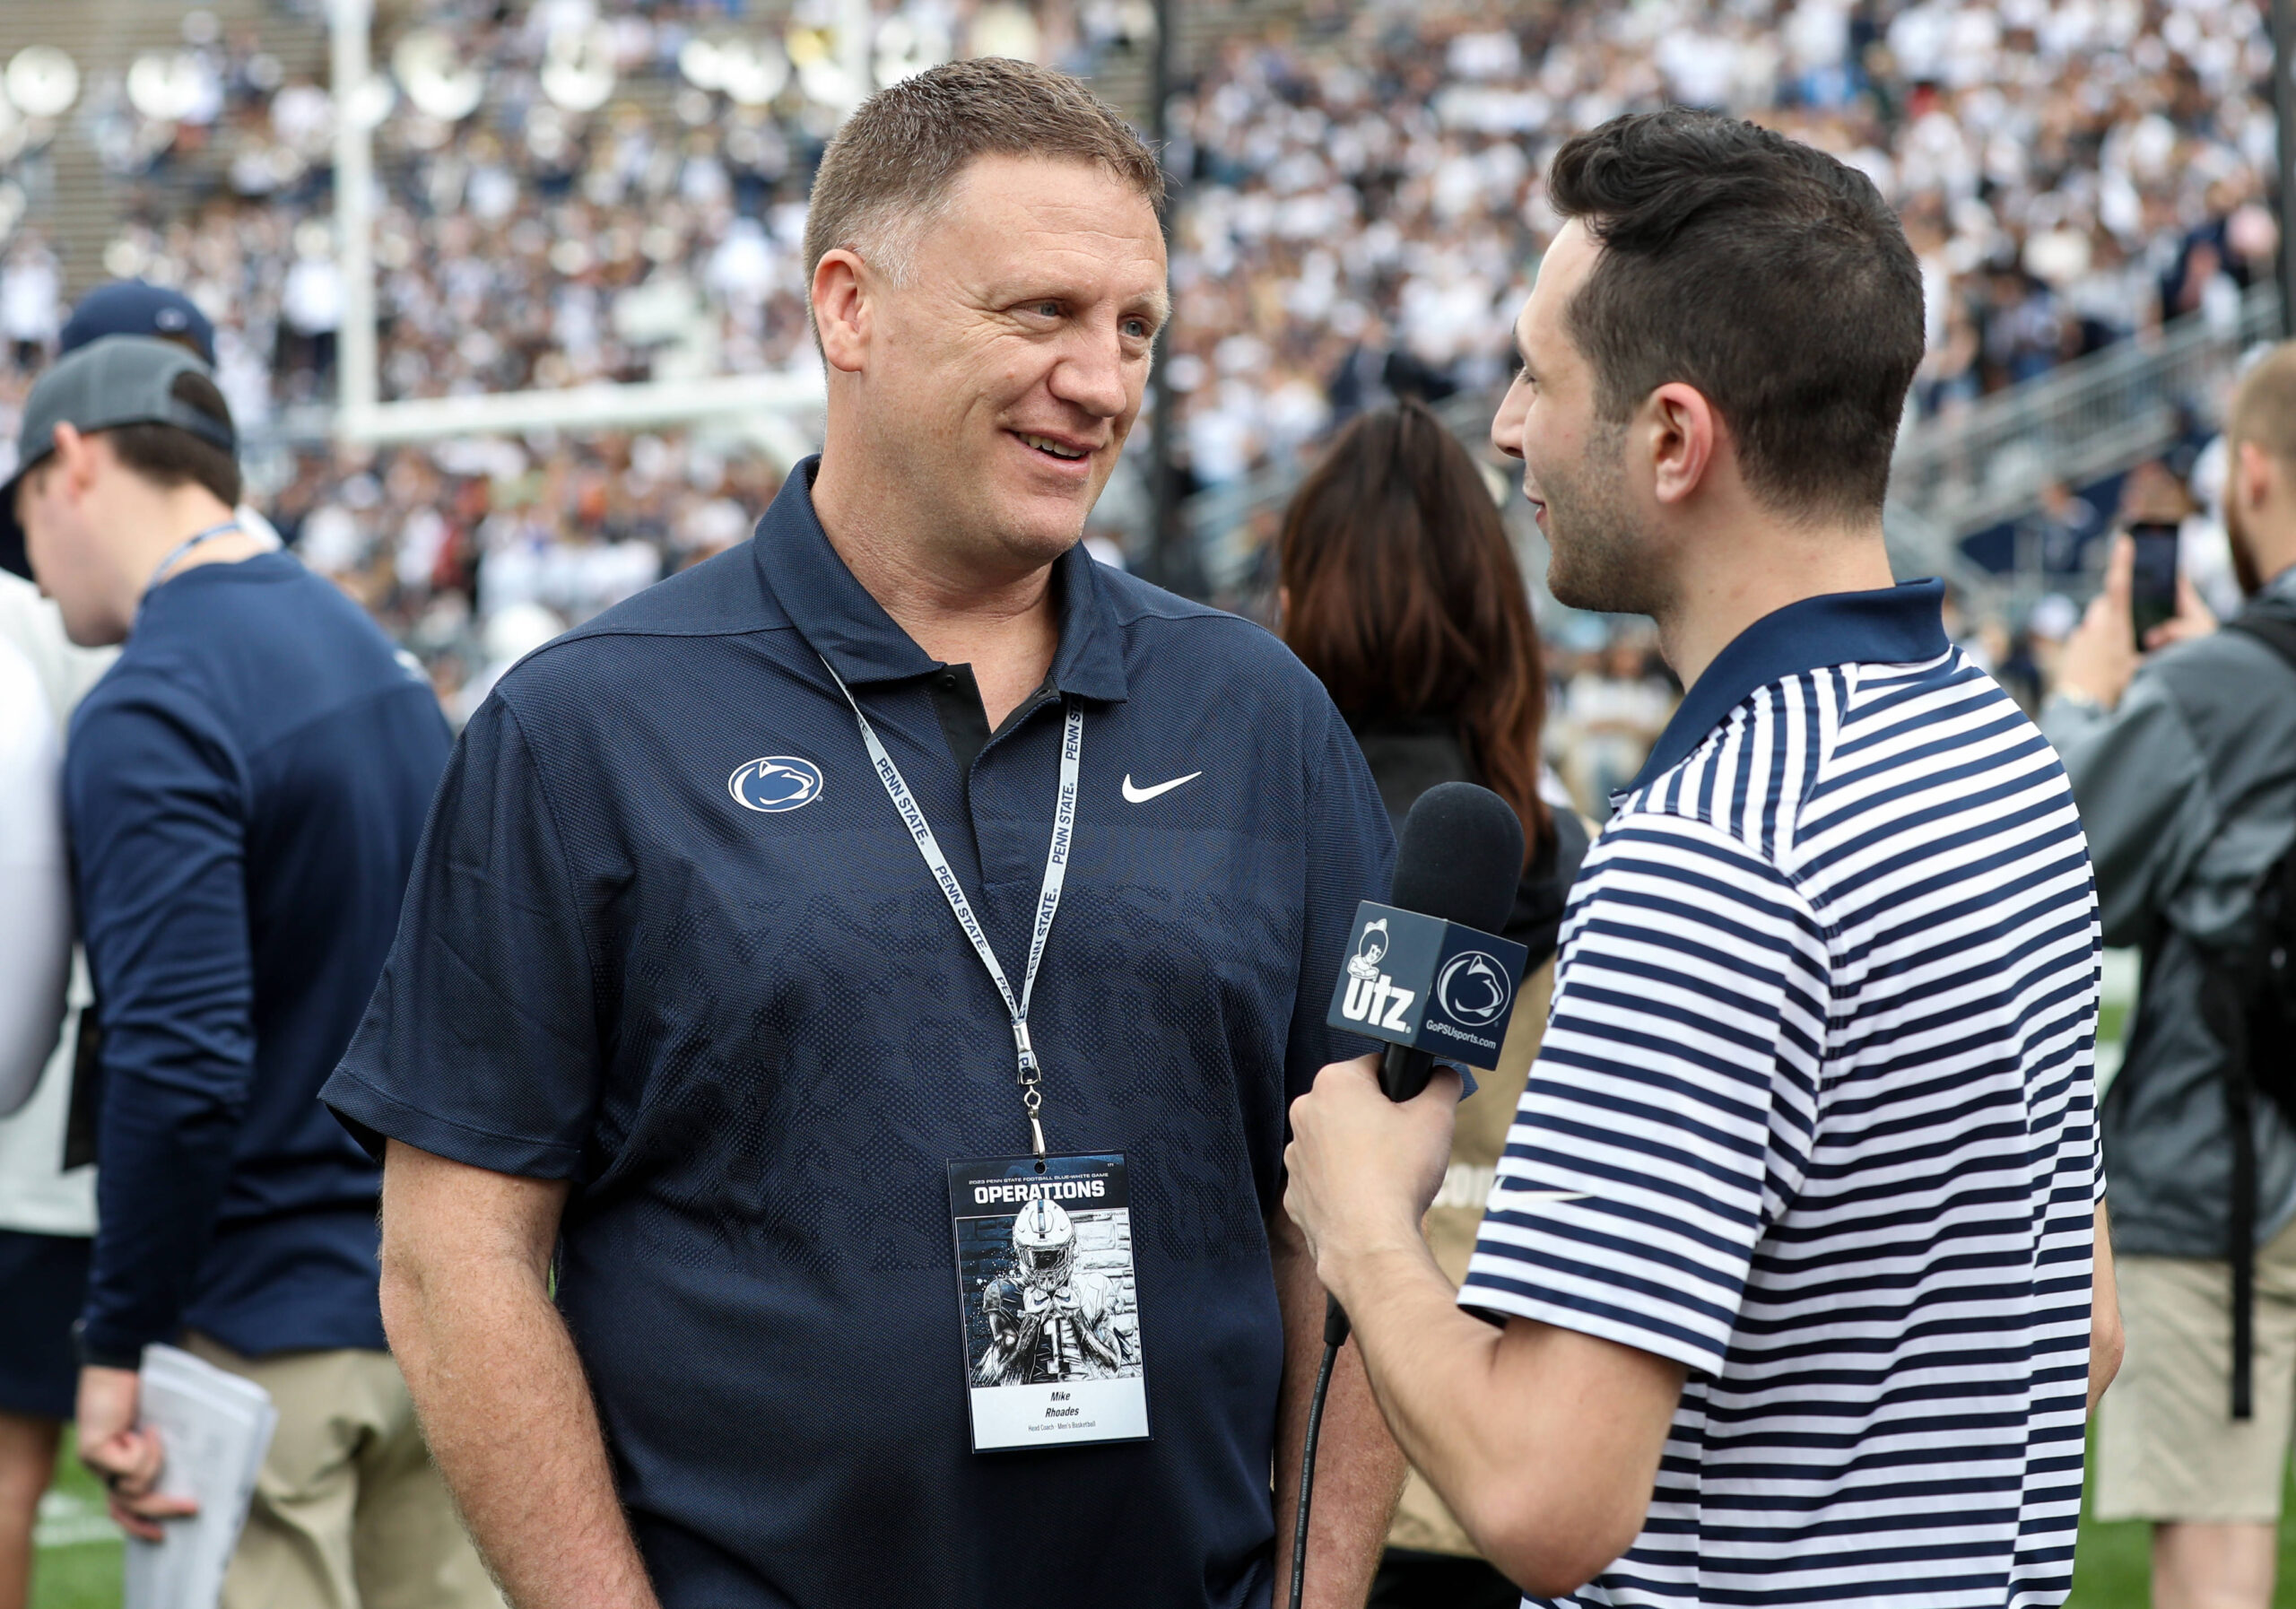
(1030, 1071)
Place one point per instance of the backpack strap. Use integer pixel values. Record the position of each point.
(2223, 1004)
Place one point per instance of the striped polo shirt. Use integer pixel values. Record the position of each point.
(1813, 1117)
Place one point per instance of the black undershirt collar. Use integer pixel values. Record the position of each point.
(964, 714)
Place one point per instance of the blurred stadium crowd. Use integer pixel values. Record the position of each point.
(573, 193)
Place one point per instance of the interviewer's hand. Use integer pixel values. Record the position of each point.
(1363, 1169)
(124, 1455)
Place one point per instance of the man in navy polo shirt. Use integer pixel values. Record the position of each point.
(1784, 1292)
(871, 969)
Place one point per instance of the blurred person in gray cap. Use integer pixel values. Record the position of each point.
(134, 307)
(243, 790)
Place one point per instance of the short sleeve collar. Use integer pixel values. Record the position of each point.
(1892, 625)
(842, 622)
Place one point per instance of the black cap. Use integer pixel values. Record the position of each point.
(131, 306)
(122, 380)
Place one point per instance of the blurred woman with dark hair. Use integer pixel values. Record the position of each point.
(1400, 591)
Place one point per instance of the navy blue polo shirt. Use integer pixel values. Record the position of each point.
(754, 1038)
(245, 789)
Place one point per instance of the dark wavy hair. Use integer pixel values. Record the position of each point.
(1402, 595)
(1761, 271)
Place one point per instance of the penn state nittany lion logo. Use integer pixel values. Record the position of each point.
(1475, 989)
(775, 783)
(1370, 948)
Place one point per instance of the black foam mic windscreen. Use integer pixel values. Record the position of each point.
(1461, 857)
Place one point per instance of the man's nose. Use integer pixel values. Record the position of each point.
(1090, 375)
(1507, 424)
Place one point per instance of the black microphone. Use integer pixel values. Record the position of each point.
(1426, 967)
(1459, 862)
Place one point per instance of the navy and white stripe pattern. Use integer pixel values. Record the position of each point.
(1820, 1062)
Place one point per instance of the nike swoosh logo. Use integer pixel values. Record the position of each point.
(1141, 795)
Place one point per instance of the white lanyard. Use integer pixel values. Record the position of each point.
(1055, 873)
(176, 553)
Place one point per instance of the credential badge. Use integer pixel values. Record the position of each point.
(775, 783)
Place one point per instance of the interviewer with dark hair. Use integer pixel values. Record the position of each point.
(1401, 591)
(1784, 1290)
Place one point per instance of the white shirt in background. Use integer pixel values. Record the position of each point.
(35, 882)
(42, 677)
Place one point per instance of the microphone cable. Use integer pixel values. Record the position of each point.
(1335, 1337)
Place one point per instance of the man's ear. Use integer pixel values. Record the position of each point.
(74, 460)
(841, 310)
(2252, 475)
(1685, 437)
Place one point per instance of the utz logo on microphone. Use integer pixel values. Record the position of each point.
(1473, 988)
(775, 783)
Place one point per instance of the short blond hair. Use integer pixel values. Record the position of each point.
(890, 170)
(2263, 406)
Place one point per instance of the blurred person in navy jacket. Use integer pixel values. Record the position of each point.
(244, 790)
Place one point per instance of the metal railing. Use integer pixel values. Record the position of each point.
(2098, 414)
(1229, 523)
(1953, 475)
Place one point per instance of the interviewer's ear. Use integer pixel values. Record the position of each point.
(841, 310)
(1684, 434)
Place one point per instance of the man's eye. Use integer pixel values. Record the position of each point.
(1136, 327)
(1050, 310)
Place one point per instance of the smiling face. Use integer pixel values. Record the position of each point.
(1001, 374)
(1574, 470)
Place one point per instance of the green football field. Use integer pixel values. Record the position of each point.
(80, 1568)
(77, 1574)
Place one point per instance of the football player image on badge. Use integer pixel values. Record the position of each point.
(1049, 1304)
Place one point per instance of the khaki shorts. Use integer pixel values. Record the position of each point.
(349, 1512)
(2168, 1447)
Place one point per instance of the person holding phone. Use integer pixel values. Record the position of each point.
(2179, 740)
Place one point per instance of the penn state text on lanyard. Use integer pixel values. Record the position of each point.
(1055, 873)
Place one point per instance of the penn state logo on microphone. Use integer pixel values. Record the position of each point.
(775, 783)
(1473, 988)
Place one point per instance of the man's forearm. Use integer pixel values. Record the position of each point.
(511, 1425)
(1426, 1361)
(1359, 1469)
(1543, 1441)
(167, 1149)
(2105, 1340)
